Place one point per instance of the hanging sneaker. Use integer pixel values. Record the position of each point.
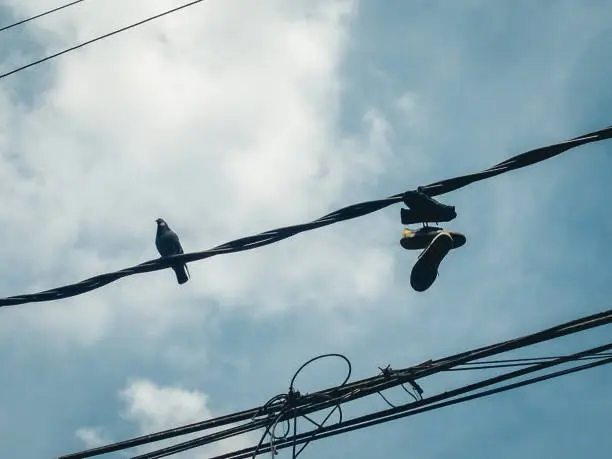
(424, 208)
(425, 270)
(421, 238)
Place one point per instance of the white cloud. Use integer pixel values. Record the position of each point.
(154, 408)
(229, 120)
(92, 437)
(222, 122)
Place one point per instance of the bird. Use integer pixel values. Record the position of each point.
(167, 243)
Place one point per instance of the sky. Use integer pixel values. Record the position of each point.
(230, 118)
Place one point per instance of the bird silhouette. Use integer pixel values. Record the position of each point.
(167, 243)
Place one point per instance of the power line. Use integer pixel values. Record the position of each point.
(519, 362)
(347, 213)
(428, 404)
(379, 418)
(40, 15)
(524, 359)
(101, 37)
(288, 407)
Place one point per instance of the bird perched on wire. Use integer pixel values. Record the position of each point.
(167, 243)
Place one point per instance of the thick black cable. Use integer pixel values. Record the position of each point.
(269, 237)
(568, 328)
(369, 386)
(287, 400)
(432, 403)
(328, 398)
(338, 430)
(171, 433)
(359, 389)
(40, 15)
(272, 407)
(198, 442)
(435, 402)
(98, 38)
(350, 426)
(211, 438)
(526, 159)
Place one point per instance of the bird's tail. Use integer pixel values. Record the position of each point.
(181, 273)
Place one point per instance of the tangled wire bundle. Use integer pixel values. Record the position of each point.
(286, 409)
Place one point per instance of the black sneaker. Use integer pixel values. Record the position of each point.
(421, 238)
(425, 269)
(424, 208)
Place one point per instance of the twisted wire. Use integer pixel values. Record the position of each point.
(279, 234)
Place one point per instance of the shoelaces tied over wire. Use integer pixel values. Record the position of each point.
(288, 406)
(356, 210)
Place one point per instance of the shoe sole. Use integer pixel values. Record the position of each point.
(425, 270)
(419, 243)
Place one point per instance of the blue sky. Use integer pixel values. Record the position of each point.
(228, 120)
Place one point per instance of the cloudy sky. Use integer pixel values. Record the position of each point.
(234, 117)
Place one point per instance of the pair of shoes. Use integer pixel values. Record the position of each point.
(437, 245)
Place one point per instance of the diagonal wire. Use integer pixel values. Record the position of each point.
(98, 38)
(379, 418)
(328, 398)
(277, 235)
(431, 403)
(509, 363)
(516, 162)
(40, 15)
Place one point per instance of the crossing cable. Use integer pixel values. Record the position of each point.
(347, 213)
(562, 330)
(281, 442)
(40, 15)
(385, 415)
(406, 410)
(98, 38)
(509, 363)
(305, 404)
